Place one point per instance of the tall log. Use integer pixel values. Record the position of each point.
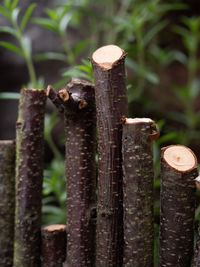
(7, 203)
(178, 171)
(54, 245)
(112, 105)
(29, 176)
(138, 178)
(80, 129)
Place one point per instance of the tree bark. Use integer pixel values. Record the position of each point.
(178, 170)
(29, 176)
(138, 178)
(54, 245)
(80, 129)
(7, 203)
(112, 105)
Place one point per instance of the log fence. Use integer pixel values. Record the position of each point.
(116, 227)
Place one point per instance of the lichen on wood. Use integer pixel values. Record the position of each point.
(29, 176)
(178, 172)
(80, 130)
(54, 240)
(7, 203)
(112, 105)
(138, 177)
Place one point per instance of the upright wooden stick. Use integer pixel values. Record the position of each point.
(179, 169)
(137, 152)
(80, 129)
(29, 176)
(112, 105)
(54, 245)
(7, 201)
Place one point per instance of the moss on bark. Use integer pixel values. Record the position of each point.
(7, 203)
(138, 177)
(112, 105)
(29, 176)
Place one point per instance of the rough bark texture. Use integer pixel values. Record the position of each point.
(80, 130)
(112, 105)
(7, 201)
(138, 177)
(177, 216)
(29, 174)
(53, 96)
(196, 262)
(54, 245)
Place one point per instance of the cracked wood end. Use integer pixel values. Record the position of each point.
(179, 158)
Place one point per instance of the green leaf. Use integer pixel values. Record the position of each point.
(9, 96)
(26, 16)
(152, 77)
(46, 23)
(6, 29)
(15, 13)
(64, 22)
(27, 45)
(52, 14)
(79, 47)
(14, 4)
(4, 12)
(50, 56)
(12, 47)
(7, 3)
(153, 31)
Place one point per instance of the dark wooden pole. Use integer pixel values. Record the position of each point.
(54, 245)
(29, 176)
(112, 105)
(178, 171)
(80, 128)
(138, 178)
(7, 201)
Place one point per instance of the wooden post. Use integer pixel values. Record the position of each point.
(178, 170)
(54, 245)
(138, 178)
(78, 102)
(112, 105)
(7, 201)
(29, 176)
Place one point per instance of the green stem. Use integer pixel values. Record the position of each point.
(68, 49)
(27, 57)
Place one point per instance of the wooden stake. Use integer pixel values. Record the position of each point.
(179, 170)
(138, 177)
(80, 129)
(54, 245)
(29, 176)
(7, 203)
(112, 105)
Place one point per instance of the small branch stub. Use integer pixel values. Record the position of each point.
(138, 176)
(7, 201)
(179, 170)
(54, 245)
(111, 105)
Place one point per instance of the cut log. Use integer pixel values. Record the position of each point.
(29, 176)
(54, 240)
(7, 203)
(112, 105)
(80, 128)
(179, 170)
(138, 177)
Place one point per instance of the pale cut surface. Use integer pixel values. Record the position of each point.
(180, 158)
(107, 55)
(55, 227)
(137, 120)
